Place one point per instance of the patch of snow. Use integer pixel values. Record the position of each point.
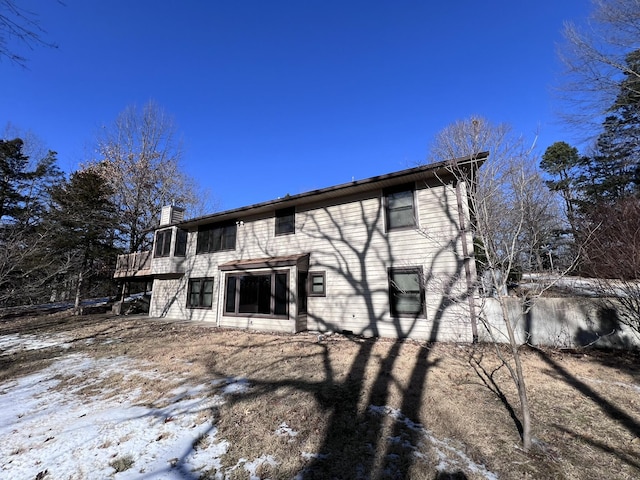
(232, 385)
(252, 467)
(72, 434)
(450, 457)
(17, 342)
(284, 430)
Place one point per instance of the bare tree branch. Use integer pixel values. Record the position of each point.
(594, 58)
(21, 25)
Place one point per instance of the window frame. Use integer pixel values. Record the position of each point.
(162, 247)
(207, 234)
(311, 275)
(201, 293)
(388, 193)
(236, 279)
(393, 309)
(285, 221)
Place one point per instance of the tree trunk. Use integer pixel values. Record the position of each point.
(78, 294)
(518, 377)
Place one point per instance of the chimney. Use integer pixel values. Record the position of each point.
(171, 215)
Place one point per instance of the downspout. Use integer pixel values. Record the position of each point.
(467, 265)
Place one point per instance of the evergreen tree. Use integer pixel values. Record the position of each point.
(13, 176)
(84, 220)
(564, 165)
(614, 169)
(25, 263)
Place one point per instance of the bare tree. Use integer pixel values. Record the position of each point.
(140, 157)
(21, 25)
(512, 217)
(595, 56)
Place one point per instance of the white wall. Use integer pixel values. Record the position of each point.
(562, 322)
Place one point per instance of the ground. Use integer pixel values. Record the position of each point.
(130, 397)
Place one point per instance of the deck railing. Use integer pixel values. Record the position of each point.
(137, 264)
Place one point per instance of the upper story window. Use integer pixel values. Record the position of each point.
(286, 221)
(216, 237)
(400, 207)
(163, 243)
(181, 243)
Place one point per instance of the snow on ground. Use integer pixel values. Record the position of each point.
(61, 429)
(13, 343)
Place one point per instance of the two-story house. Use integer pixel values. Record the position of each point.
(386, 256)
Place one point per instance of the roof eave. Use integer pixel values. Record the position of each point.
(441, 169)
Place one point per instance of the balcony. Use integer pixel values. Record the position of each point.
(131, 265)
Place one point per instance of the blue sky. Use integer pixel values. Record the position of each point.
(277, 97)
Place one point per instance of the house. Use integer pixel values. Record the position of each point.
(386, 256)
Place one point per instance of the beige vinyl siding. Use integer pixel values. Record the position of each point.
(348, 241)
(259, 323)
(166, 298)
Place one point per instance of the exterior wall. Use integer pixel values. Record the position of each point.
(347, 240)
(561, 323)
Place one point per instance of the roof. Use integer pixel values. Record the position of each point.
(270, 262)
(422, 172)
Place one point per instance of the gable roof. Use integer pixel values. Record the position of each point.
(422, 172)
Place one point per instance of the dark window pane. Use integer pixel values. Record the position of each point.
(214, 238)
(255, 294)
(228, 240)
(194, 295)
(285, 221)
(264, 294)
(163, 243)
(405, 292)
(207, 293)
(158, 251)
(216, 244)
(200, 293)
(400, 209)
(181, 243)
(230, 303)
(302, 292)
(203, 241)
(281, 300)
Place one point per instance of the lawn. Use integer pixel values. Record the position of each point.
(130, 397)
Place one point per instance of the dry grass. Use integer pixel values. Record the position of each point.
(586, 405)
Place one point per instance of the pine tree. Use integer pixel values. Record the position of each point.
(25, 264)
(614, 170)
(84, 220)
(13, 176)
(564, 165)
